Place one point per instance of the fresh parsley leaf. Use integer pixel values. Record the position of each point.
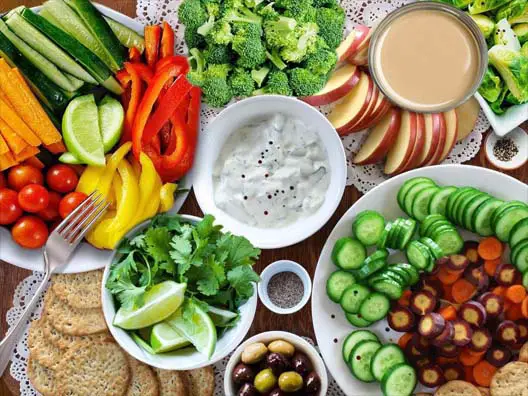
(238, 249)
(131, 296)
(206, 227)
(138, 241)
(181, 250)
(241, 278)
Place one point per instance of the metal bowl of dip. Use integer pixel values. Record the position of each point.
(428, 57)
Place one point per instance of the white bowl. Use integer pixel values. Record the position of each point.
(520, 138)
(504, 123)
(238, 115)
(299, 344)
(184, 359)
(278, 267)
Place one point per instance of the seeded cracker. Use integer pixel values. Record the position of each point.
(40, 348)
(510, 380)
(144, 381)
(201, 381)
(457, 388)
(81, 290)
(42, 378)
(172, 383)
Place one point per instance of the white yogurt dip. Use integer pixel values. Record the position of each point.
(271, 172)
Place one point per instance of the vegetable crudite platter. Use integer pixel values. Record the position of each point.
(433, 255)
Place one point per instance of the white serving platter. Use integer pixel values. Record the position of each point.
(329, 321)
(86, 258)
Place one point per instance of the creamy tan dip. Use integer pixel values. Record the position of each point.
(427, 59)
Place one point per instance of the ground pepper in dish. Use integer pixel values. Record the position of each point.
(505, 149)
(285, 289)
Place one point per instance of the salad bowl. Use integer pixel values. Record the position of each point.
(182, 359)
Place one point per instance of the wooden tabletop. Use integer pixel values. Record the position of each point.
(306, 252)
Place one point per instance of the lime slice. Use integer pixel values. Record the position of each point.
(164, 338)
(221, 317)
(80, 130)
(69, 158)
(200, 330)
(145, 345)
(160, 302)
(111, 117)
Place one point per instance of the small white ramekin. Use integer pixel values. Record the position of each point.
(284, 266)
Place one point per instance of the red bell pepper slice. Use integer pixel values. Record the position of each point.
(152, 41)
(144, 72)
(123, 77)
(134, 55)
(180, 61)
(133, 102)
(167, 41)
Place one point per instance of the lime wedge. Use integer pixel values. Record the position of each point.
(145, 345)
(221, 317)
(80, 130)
(200, 330)
(164, 338)
(160, 302)
(111, 117)
(69, 158)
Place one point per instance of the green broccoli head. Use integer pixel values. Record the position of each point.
(277, 84)
(331, 22)
(217, 91)
(524, 49)
(217, 54)
(259, 75)
(192, 38)
(241, 82)
(323, 60)
(491, 86)
(304, 14)
(248, 44)
(212, 7)
(305, 83)
(242, 14)
(513, 68)
(192, 14)
(268, 12)
(294, 6)
(275, 58)
(325, 3)
(220, 33)
(304, 43)
(279, 33)
(197, 63)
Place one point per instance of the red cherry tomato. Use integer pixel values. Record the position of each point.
(51, 213)
(2, 180)
(62, 178)
(33, 198)
(70, 202)
(30, 232)
(10, 210)
(21, 175)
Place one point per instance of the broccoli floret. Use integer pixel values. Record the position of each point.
(247, 43)
(279, 33)
(306, 37)
(197, 63)
(331, 22)
(294, 6)
(277, 84)
(305, 83)
(304, 14)
(218, 54)
(242, 14)
(323, 60)
(192, 38)
(212, 7)
(217, 91)
(275, 58)
(268, 12)
(220, 33)
(259, 75)
(192, 14)
(241, 82)
(325, 3)
(207, 26)
(228, 5)
(253, 3)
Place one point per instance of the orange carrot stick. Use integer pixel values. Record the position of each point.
(490, 248)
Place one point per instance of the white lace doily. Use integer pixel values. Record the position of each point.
(366, 12)
(23, 293)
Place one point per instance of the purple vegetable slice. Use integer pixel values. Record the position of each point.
(431, 376)
(457, 262)
(492, 303)
(401, 319)
(448, 350)
(445, 337)
(523, 330)
(473, 312)
(422, 302)
(505, 274)
(480, 340)
(463, 332)
(431, 325)
(453, 371)
(498, 355)
(470, 250)
(477, 276)
(508, 332)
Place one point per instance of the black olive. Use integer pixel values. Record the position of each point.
(277, 392)
(312, 382)
(301, 363)
(277, 363)
(243, 373)
(247, 390)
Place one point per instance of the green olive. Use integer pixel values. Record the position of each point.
(290, 381)
(282, 347)
(265, 381)
(254, 353)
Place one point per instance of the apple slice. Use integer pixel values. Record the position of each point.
(338, 85)
(414, 157)
(360, 58)
(353, 105)
(399, 153)
(349, 45)
(451, 133)
(368, 120)
(379, 113)
(380, 139)
(371, 106)
(438, 122)
(431, 140)
(467, 114)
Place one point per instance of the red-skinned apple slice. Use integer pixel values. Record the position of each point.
(339, 84)
(402, 148)
(353, 105)
(467, 114)
(360, 58)
(379, 113)
(380, 139)
(349, 45)
(438, 122)
(450, 118)
(371, 106)
(414, 157)
(432, 137)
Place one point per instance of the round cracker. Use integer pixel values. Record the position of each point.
(42, 378)
(144, 381)
(484, 391)
(201, 381)
(172, 383)
(73, 321)
(510, 380)
(93, 368)
(523, 353)
(82, 291)
(457, 388)
(40, 348)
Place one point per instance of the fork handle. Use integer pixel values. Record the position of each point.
(8, 344)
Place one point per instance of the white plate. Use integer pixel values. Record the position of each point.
(502, 124)
(238, 115)
(330, 331)
(86, 257)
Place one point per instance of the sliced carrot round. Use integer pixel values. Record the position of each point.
(490, 248)
(483, 371)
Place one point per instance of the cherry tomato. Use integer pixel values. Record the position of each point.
(33, 198)
(10, 210)
(2, 180)
(51, 213)
(62, 178)
(21, 175)
(70, 202)
(30, 232)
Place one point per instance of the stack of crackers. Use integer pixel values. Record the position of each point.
(73, 353)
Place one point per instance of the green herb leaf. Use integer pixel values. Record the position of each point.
(238, 249)
(241, 278)
(157, 241)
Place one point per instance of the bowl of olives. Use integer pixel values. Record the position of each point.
(275, 363)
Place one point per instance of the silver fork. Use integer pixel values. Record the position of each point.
(59, 247)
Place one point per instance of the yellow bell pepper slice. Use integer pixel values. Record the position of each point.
(89, 179)
(167, 196)
(154, 201)
(147, 181)
(95, 237)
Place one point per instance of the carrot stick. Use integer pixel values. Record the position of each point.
(4, 148)
(448, 277)
(468, 359)
(17, 124)
(134, 55)
(514, 312)
(448, 313)
(490, 266)
(152, 42)
(28, 152)
(499, 291)
(490, 248)
(34, 161)
(56, 148)
(524, 307)
(405, 299)
(7, 161)
(404, 340)
(516, 293)
(483, 372)
(15, 143)
(463, 291)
